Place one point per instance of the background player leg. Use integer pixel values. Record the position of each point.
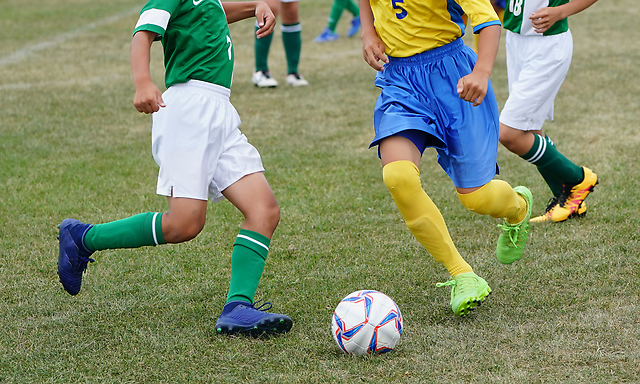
(292, 40)
(261, 76)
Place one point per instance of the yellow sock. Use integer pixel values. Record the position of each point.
(496, 199)
(422, 216)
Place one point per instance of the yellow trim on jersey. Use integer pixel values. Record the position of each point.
(409, 27)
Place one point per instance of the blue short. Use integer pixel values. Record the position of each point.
(419, 94)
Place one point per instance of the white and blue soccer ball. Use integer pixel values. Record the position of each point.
(366, 322)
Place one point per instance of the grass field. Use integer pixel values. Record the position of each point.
(72, 145)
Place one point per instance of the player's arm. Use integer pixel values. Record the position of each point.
(473, 87)
(544, 18)
(372, 46)
(148, 98)
(237, 11)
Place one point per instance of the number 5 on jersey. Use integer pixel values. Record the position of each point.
(403, 12)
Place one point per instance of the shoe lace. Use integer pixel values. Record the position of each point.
(458, 286)
(262, 304)
(552, 203)
(453, 283)
(512, 231)
(565, 194)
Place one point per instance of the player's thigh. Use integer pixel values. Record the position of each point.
(398, 148)
(274, 5)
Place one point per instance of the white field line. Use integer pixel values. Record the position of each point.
(89, 81)
(27, 51)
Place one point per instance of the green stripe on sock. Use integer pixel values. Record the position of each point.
(247, 264)
(136, 231)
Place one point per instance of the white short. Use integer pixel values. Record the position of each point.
(197, 144)
(536, 68)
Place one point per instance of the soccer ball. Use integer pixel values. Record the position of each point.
(366, 322)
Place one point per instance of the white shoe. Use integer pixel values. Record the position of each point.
(263, 80)
(296, 80)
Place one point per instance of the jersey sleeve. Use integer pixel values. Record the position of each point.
(480, 12)
(155, 15)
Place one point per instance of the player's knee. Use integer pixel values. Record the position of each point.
(270, 215)
(511, 139)
(400, 176)
(179, 231)
(263, 217)
(472, 202)
(506, 138)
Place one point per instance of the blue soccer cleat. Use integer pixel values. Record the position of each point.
(73, 255)
(326, 36)
(244, 318)
(355, 26)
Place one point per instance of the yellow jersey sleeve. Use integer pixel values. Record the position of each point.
(409, 27)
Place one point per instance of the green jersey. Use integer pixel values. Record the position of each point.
(517, 12)
(195, 37)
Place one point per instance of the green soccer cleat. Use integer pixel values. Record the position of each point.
(514, 237)
(468, 291)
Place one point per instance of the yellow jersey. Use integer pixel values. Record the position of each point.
(409, 27)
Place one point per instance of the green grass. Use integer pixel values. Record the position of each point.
(72, 145)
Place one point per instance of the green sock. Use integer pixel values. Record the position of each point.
(554, 167)
(247, 264)
(352, 8)
(261, 48)
(336, 12)
(132, 232)
(292, 40)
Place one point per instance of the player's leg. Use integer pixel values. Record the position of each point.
(400, 159)
(261, 76)
(536, 70)
(329, 33)
(569, 183)
(78, 241)
(255, 200)
(497, 199)
(292, 40)
(353, 9)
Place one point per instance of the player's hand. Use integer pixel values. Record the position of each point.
(473, 88)
(544, 18)
(373, 51)
(266, 20)
(148, 98)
